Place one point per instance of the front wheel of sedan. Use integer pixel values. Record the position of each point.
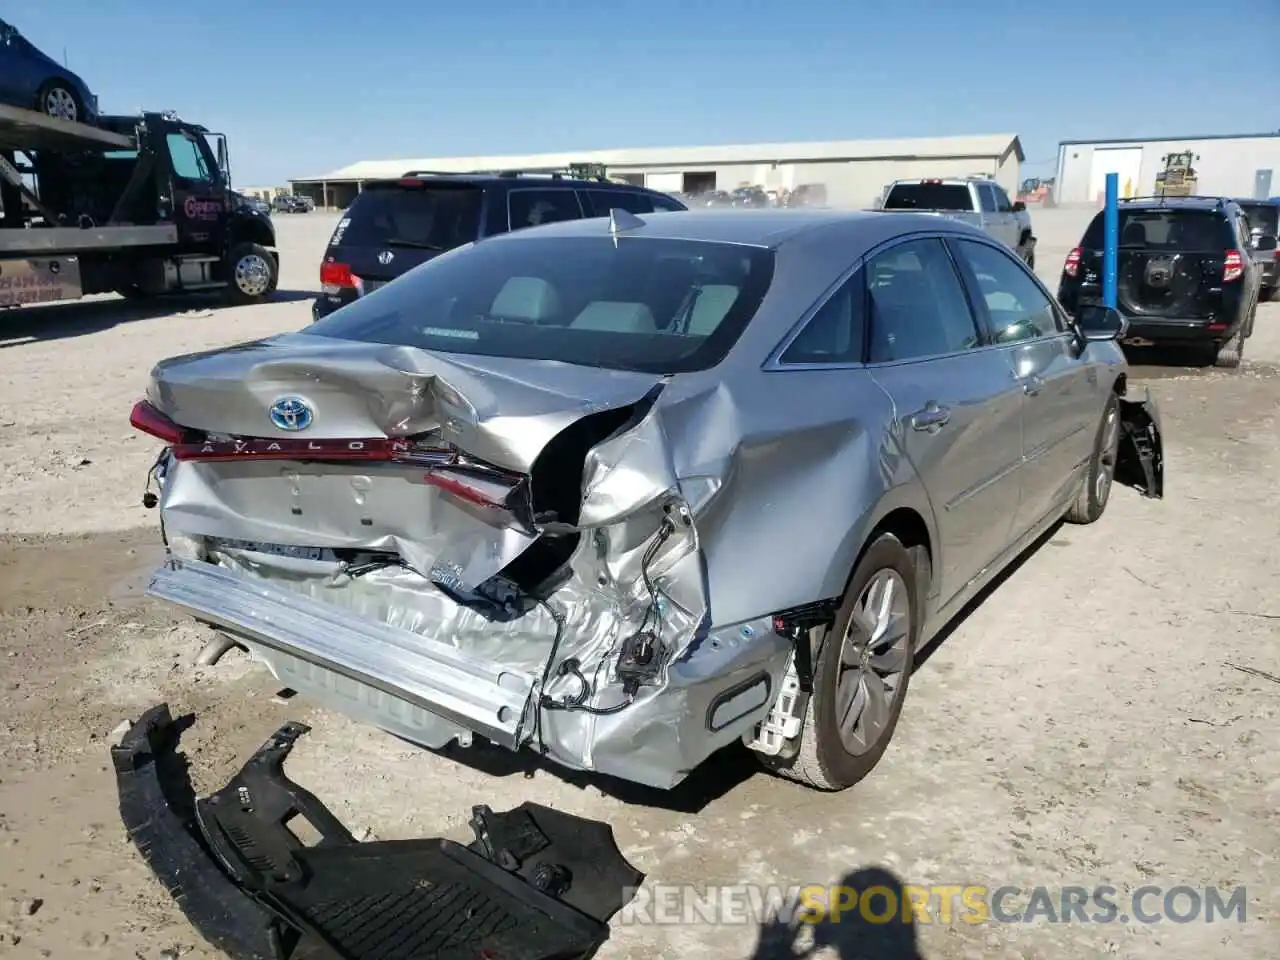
(58, 100)
(861, 675)
(1100, 475)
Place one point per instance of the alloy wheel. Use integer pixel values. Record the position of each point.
(252, 275)
(59, 102)
(873, 657)
(1107, 456)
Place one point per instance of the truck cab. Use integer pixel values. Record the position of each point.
(137, 205)
(977, 200)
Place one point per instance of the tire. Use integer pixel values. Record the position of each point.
(1230, 351)
(1268, 293)
(823, 760)
(254, 274)
(57, 99)
(1099, 476)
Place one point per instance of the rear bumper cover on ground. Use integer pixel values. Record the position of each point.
(1141, 457)
(534, 885)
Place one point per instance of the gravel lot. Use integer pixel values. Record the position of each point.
(1087, 724)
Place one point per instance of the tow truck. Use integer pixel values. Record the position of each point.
(136, 205)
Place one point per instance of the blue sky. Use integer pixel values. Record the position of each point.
(304, 87)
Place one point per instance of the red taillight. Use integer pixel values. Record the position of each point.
(335, 276)
(151, 421)
(1072, 267)
(1232, 266)
(478, 490)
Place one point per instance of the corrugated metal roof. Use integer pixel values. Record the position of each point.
(977, 147)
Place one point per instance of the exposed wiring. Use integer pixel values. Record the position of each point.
(577, 703)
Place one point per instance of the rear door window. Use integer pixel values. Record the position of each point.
(602, 201)
(988, 198)
(530, 208)
(429, 218)
(929, 196)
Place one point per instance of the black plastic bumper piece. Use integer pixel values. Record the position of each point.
(1141, 456)
(535, 884)
(157, 806)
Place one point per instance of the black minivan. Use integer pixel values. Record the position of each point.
(395, 225)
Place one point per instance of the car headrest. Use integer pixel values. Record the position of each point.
(526, 298)
(616, 316)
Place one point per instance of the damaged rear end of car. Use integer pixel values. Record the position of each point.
(453, 544)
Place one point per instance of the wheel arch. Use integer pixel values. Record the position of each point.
(904, 512)
(250, 230)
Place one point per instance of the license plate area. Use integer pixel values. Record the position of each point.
(39, 280)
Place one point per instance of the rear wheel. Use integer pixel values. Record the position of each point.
(861, 675)
(57, 99)
(1099, 476)
(1230, 351)
(254, 273)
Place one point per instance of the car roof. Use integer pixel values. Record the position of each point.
(1174, 203)
(769, 228)
(516, 180)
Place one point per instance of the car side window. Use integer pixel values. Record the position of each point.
(917, 304)
(988, 198)
(1018, 309)
(1002, 199)
(529, 208)
(602, 201)
(666, 203)
(835, 333)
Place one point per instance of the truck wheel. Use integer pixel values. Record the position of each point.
(56, 99)
(861, 675)
(254, 273)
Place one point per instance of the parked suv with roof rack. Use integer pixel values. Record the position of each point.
(395, 225)
(1187, 274)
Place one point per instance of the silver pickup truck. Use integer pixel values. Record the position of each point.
(981, 202)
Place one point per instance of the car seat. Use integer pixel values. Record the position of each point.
(1135, 234)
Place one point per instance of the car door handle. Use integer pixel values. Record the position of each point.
(1031, 385)
(932, 418)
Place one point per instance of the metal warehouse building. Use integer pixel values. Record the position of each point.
(1233, 166)
(853, 171)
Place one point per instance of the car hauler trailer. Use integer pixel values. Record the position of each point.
(141, 206)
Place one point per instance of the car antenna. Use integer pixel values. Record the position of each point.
(621, 220)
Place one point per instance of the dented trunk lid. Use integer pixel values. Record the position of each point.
(455, 503)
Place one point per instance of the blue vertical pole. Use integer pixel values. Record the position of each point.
(1111, 241)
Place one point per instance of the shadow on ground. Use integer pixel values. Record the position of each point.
(62, 321)
(877, 928)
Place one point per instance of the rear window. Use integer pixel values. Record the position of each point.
(427, 218)
(929, 196)
(1167, 229)
(1262, 216)
(647, 304)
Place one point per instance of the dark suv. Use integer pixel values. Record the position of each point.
(1264, 225)
(395, 225)
(1187, 274)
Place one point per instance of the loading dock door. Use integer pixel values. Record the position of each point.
(1125, 161)
(666, 182)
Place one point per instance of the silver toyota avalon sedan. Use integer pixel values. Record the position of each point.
(623, 491)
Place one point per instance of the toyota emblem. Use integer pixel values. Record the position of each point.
(291, 413)
(385, 257)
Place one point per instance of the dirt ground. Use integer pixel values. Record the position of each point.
(1093, 722)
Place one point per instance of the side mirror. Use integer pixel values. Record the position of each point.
(1101, 323)
(1019, 206)
(1265, 243)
